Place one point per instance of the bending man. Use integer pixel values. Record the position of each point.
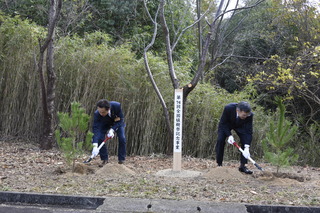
(237, 117)
(108, 119)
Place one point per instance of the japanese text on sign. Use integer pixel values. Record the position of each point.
(178, 103)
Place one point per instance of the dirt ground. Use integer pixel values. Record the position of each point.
(25, 168)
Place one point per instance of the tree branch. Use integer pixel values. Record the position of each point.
(189, 87)
(174, 80)
(188, 27)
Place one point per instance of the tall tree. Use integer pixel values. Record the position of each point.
(48, 87)
(207, 59)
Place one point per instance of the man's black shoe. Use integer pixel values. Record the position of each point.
(104, 162)
(121, 161)
(245, 170)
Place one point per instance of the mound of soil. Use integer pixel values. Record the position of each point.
(223, 173)
(114, 170)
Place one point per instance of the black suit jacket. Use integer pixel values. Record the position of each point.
(229, 121)
(102, 124)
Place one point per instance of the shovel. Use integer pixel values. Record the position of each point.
(92, 156)
(249, 158)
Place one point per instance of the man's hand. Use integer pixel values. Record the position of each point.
(110, 133)
(246, 152)
(231, 139)
(95, 150)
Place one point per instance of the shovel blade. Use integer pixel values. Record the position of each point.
(259, 167)
(87, 161)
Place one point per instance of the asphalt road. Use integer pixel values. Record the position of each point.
(34, 209)
(13, 202)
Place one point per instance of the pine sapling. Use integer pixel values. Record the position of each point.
(73, 136)
(276, 144)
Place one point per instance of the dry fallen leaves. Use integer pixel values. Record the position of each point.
(25, 168)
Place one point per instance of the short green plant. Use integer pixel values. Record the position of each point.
(276, 144)
(73, 129)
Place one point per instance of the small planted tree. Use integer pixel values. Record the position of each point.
(275, 145)
(73, 136)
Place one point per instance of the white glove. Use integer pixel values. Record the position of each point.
(246, 152)
(95, 150)
(110, 133)
(231, 139)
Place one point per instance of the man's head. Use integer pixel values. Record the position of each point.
(103, 107)
(243, 110)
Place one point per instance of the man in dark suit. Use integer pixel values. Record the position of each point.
(237, 117)
(108, 119)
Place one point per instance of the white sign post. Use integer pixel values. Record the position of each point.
(177, 131)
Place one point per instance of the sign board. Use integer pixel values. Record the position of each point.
(177, 131)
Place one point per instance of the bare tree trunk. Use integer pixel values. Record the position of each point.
(169, 147)
(48, 93)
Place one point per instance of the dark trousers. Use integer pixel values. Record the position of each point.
(121, 146)
(221, 141)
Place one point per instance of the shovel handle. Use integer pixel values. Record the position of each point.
(101, 145)
(103, 142)
(236, 145)
(241, 150)
(249, 158)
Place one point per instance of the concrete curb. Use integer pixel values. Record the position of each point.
(139, 205)
(65, 201)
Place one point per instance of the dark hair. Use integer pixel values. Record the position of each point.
(103, 103)
(244, 106)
